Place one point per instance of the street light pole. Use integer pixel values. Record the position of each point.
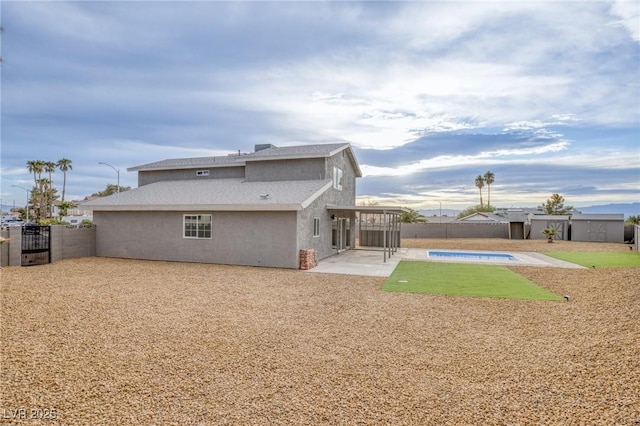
(440, 210)
(27, 206)
(117, 171)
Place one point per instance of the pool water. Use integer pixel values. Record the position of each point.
(470, 255)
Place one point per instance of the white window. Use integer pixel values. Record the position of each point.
(337, 177)
(197, 226)
(316, 226)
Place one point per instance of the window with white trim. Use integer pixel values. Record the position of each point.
(316, 226)
(337, 177)
(197, 226)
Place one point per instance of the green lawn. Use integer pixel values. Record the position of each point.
(598, 259)
(461, 279)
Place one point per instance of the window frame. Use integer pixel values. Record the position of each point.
(337, 178)
(316, 227)
(197, 230)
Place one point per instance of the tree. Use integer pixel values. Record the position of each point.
(555, 205)
(36, 167)
(49, 167)
(475, 209)
(110, 190)
(369, 202)
(43, 195)
(412, 216)
(480, 185)
(37, 194)
(64, 164)
(633, 220)
(489, 178)
(64, 207)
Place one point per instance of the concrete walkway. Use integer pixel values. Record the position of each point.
(370, 262)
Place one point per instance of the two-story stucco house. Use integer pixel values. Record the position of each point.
(258, 209)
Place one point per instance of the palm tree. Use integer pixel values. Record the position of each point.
(480, 185)
(49, 167)
(64, 208)
(489, 177)
(36, 167)
(550, 233)
(43, 190)
(633, 220)
(64, 164)
(412, 216)
(31, 166)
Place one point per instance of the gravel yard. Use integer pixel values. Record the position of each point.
(111, 341)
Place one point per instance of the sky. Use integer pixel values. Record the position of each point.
(546, 95)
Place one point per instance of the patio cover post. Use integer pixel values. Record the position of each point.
(384, 235)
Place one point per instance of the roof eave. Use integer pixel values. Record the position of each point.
(183, 167)
(197, 207)
(306, 203)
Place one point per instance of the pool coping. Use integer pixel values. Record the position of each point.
(365, 262)
(523, 259)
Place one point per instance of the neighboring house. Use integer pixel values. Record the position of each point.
(519, 225)
(440, 219)
(259, 209)
(517, 220)
(483, 217)
(597, 227)
(74, 214)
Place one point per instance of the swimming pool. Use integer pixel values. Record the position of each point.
(470, 255)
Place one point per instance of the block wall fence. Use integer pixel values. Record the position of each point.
(71, 241)
(67, 242)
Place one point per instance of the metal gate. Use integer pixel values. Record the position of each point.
(36, 245)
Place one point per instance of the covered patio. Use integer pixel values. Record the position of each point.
(377, 226)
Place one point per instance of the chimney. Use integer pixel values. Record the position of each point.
(263, 146)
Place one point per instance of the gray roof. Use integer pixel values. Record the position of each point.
(271, 153)
(188, 163)
(609, 217)
(214, 195)
(368, 209)
(483, 217)
(554, 217)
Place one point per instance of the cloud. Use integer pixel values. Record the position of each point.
(628, 15)
(448, 161)
(427, 92)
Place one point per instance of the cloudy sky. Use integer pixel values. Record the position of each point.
(546, 95)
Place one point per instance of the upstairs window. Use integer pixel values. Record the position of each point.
(316, 226)
(337, 177)
(197, 226)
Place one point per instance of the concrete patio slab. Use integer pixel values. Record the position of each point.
(371, 262)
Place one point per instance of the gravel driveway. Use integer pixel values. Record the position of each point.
(110, 341)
